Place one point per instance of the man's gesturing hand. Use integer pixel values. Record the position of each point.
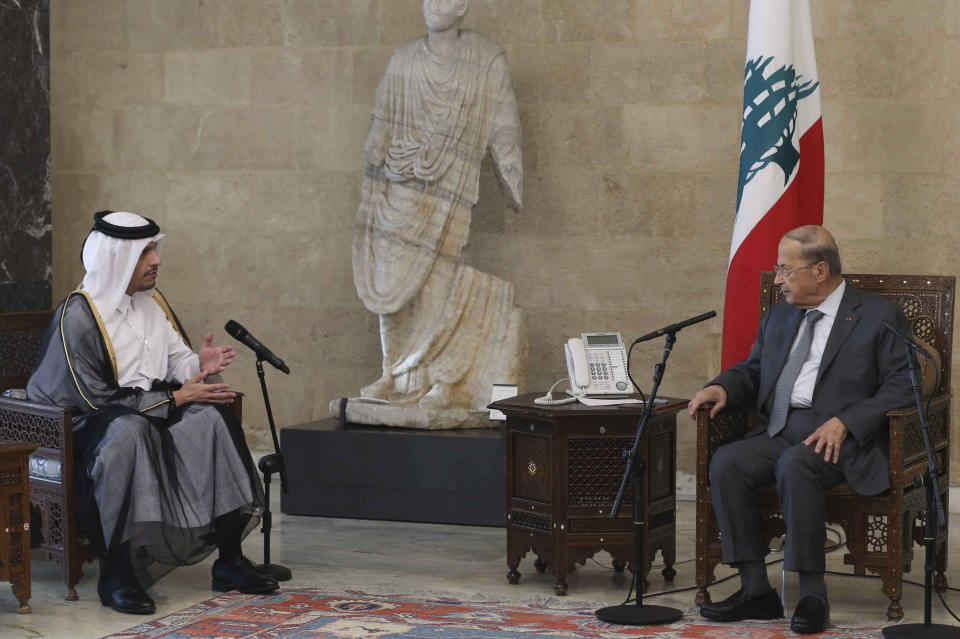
(214, 359)
(196, 391)
(714, 393)
(829, 438)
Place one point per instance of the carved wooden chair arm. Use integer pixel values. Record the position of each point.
(42, 424)
(49, 427)
(907, 451)
(46, 425)
(729, 424)
(936, 403)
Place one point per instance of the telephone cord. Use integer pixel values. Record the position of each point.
(548, 400)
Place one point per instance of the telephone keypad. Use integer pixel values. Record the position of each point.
(607, 361)
(600, 370)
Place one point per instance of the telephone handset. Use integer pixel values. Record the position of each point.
(576, 364)
(596, 365)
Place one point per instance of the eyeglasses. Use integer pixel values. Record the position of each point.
(785, 273)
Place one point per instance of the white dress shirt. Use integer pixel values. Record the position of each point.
(146, 345)
(802, 396)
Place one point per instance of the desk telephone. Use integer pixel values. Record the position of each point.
(596, 365)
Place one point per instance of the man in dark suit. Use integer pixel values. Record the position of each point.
(823, 371)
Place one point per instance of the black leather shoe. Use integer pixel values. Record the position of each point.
(739, 606)
(132, 600)
(239, 574)
(812, 615)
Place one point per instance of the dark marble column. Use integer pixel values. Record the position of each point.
(25, 242)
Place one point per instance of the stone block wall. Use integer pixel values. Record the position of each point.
(239, 126)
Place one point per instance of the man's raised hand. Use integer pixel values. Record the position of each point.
(214, 359)
(196, 391)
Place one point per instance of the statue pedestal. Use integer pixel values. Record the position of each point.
(378, 472)
(359, 411)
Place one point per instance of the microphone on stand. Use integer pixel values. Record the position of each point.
(643, 614)
(933, 504)
(239, 333)
(673, 328)
(268, 464)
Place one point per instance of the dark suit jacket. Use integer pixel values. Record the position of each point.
(863, 374)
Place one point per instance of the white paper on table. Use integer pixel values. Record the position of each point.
(501, 391)
(597, 401)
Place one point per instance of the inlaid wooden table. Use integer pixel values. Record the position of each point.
(15, 519)
(564, 467)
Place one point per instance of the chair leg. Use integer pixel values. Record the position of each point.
(705, 577)
(703, 596)
(895, 610)
(892, 574)
(707, 534)
(72, 574)
(893, 589)
(74, 569)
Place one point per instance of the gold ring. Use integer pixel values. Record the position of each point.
(829, 444)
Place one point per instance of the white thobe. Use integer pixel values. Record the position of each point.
(146, 344)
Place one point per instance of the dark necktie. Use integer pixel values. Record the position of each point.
(788, 376)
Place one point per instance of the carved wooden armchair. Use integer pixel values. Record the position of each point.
(51, 465)
(879, 530)
(50, 427)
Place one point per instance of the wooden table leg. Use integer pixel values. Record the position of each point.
(15, 519)
(21, 591)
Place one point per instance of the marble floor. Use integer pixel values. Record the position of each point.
(411, 558)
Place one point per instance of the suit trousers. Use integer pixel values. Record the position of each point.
(740, 468)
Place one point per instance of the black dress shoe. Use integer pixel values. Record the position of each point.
(739, 606)
(240, 574)
(132, 600)
(812, 615)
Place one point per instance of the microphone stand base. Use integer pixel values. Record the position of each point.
(274, 571)
(921, 631)
(633, 615)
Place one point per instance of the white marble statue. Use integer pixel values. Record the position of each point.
(448, 331)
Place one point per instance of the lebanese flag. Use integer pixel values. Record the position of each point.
(781, 158)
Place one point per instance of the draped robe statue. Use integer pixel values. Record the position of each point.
(448, 331)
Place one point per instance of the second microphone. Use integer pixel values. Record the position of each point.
(239, 333)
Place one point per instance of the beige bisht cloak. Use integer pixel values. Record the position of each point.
(448, 330)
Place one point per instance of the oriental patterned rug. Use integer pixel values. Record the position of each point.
(314, 613)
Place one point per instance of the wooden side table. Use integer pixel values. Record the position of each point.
(15, 519)
(564, 467)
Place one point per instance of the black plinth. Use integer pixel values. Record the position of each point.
(921, 631)
(378, 472)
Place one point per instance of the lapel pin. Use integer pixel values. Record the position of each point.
(848, 318)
